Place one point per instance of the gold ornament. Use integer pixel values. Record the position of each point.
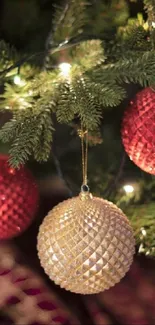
(86, 244)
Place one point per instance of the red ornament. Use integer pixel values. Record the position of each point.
(138, 131)
(18, 199)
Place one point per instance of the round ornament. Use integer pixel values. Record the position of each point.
(138, 130)
(86, 244)
(18, 199)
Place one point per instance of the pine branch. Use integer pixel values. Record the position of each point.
(142, 217)
(95, 84)
(88, 54)
(85, 105)
(130, 41)
(42, 147)
(16, 98)
(85, 99)
(58, 20)
(78, 100)
(22, 146)
(30, 132)
(106, 16)
(34, 137)
(9, 130)
(141, 70)
(150, 8)
(7, 55)
(19, 63)
(65, 111)
(67, 25)
(107, 95)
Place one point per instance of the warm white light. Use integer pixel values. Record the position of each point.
(65, 68)
(141, 248)
(18, 81)
(23, 103)
(143, 231)
(128, 188)
(153, 24)
(30, 92)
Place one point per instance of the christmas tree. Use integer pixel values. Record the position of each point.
(71, 72)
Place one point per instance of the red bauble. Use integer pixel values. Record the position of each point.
(138, 130)
(18, 199)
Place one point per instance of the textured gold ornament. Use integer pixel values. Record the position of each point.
(86, 244)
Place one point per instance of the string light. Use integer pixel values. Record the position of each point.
(23, 103)
(18, 81)
(65, 68)
(141, 248)
(153, 24)
(128, 189)
(143, 231)
(30, 92)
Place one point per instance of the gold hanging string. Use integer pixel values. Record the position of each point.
(84, 146)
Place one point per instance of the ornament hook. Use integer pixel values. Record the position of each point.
(85, 188)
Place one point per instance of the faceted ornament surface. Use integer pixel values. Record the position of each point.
(138, 130)
(19, 199)
(86, 245)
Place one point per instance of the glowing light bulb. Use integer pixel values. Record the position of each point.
(18, 81)
(141, 248)
(128, 189)
(65, 68)
(153, 24)
(143, 231)
(30, 92)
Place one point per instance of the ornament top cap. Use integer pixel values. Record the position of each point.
(85, 194)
